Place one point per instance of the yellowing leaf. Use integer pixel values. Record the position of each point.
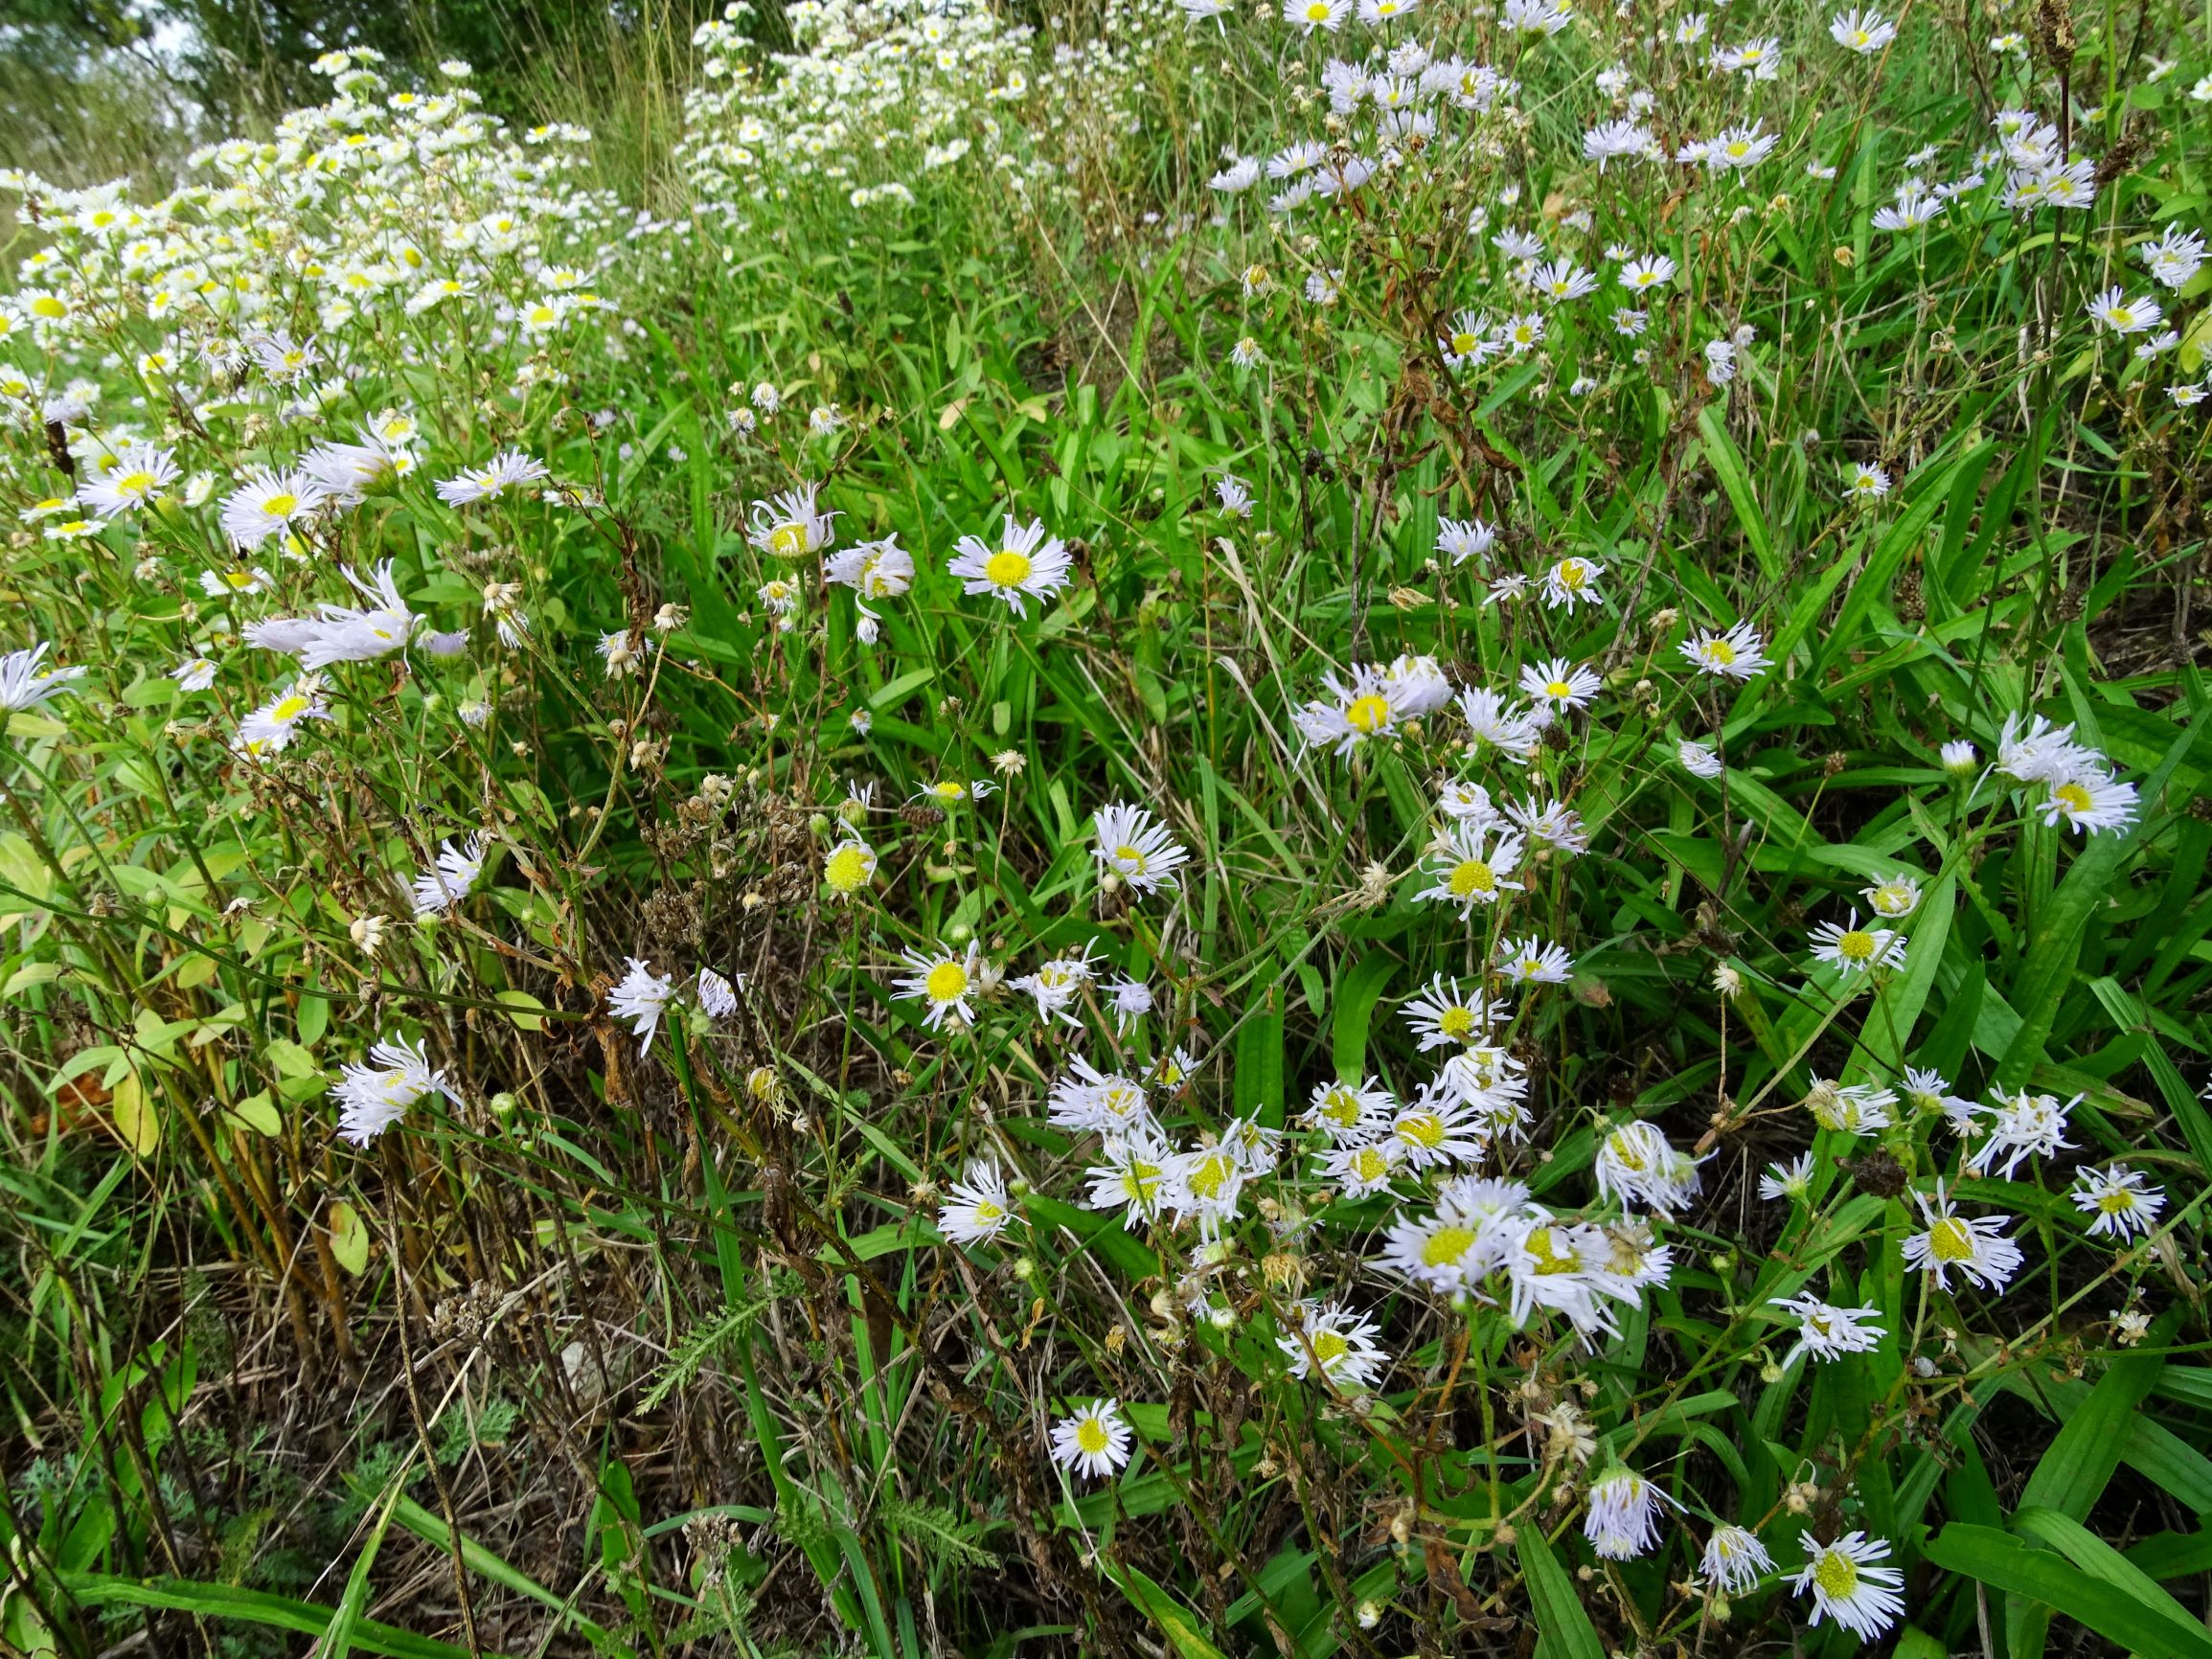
(136, 1120)
(948, 417)
(259, 1113)
(527, 1009)
(348, 1238)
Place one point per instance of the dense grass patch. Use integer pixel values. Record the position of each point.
(1203, 832)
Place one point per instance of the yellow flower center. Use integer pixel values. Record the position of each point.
(135, 484)
(847, 869)
(1369, 1164)
(1463, 343)
(1456, 1022)
(1328, 1347)
(1573, 573)
(1738, 150)
(1558, 688)
(2072, 797)
(1129, 857)
(1368, 714)
(1091, 1436)
(47, 305)
(239, 580)
(280, 505)
(289, 711)
(1838, 1576)
(987, 1212)
(1447, 1246)
(947, 982)
(1548, 1259)
(2117, 1202)
(1719, 652)
(788, 540)
(1856, 945)
(1341, 1106)
(1318, 10)
(1006, 568)
(1471, 878)
(1207, 1180)
(1950, 1239)
(1422, 1129)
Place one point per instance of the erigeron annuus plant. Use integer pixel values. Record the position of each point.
(1476, 937)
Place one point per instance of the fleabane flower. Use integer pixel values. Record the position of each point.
(26, 681)
(640, 998)
(944, 983)
(1573, 581)
(269, 729)
(1855, 950)
(1027, 564)
(451, 879)
(508, 469)
(376, 1093)
(139, 473)
(1864, 32)
(2112, 309)
(1621, 1518)
(2119, 1201)
(269, 504)
(849, 866)
(792, 525)
(2022, 1126)
(1847, 1586)
(1830, 1332)
(1638, 1166)
(1733, 1559)
(1335, 1344)
(1737, 654)
(1356, 711)
(1975, 1246)
(1792, 1180)
(1534, 960)
(1558, 686)
(1094, 1440)
(1469, 865)
(1441, 1014)
(1133, 847)
(1893, 898)
(978, 1208)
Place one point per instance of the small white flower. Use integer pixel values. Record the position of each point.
(1094, 1440)
(641, 997)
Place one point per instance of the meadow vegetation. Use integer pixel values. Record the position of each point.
(1179, 829)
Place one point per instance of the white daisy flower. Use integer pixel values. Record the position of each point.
(508, 469)
(452, 880)
(1976, 1247)
(1095, 1441)
(1622, 1515)
(1138, 850)
(1733, 1559)
(1027, 564)
(641, 997)
(373, 1097)
(1828, 1332)
(978, 1209)
(1847, 1587)
(1335, 1343)
(1855, 950)
(943, 982)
